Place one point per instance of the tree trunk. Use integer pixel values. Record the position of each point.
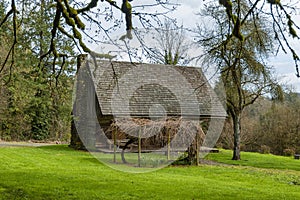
(125, 147)
(237, 136)
(192, 153)
(194, 149)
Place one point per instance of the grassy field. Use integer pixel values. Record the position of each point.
(257, 160)
(57, 172)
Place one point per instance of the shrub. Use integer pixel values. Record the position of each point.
(289, 152)
(264, 149)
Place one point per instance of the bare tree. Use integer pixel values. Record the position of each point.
(241, 60)
(171, 45)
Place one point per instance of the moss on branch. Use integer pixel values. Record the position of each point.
(274, 2)
(127, 9)
(236, 21)
(72, 15)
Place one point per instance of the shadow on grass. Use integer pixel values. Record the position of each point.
(57, 147)
(92, 160)
(7, 192)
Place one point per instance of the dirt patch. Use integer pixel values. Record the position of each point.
(25, 144)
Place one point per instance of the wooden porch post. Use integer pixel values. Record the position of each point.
(197, 148)
(139, 147)
(115, 144)
(169, 144)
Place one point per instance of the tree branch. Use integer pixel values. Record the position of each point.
(12, 49)
(10, 12)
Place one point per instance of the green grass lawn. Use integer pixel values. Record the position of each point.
(57, 172)
(258, 160)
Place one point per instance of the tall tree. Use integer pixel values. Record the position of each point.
(34, 98)
(241, 60)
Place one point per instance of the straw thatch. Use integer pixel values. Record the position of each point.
(156, 133)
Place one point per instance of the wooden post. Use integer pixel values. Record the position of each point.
(115, 144)
(197, 149)
(169, 144)
(139, 148)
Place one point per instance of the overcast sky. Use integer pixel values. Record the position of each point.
(283, 64)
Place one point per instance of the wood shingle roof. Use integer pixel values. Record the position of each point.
(153, 90)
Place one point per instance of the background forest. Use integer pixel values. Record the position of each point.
(36, 94)
(268, 127)
(35, 102)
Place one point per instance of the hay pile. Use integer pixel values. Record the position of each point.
(157, 132)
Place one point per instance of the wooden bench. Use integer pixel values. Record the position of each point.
(297, 156)
(208, 150)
